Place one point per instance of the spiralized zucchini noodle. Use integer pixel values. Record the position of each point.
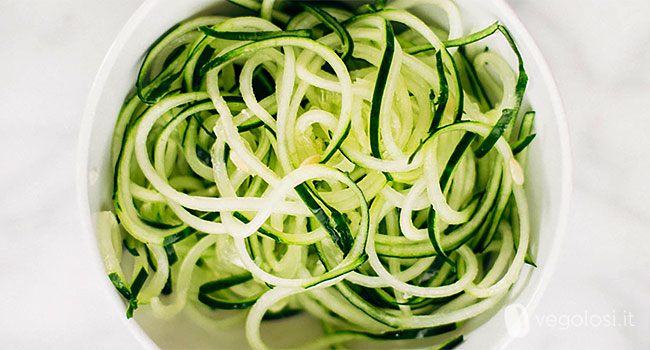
(359, 165)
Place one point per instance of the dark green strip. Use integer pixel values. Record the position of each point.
(228, 99)
(337, 146)
(340, 233)
(138, 282)
(264, 229)
(378, 93)
(455, 157)
(139, 83)
(521, 145)
(162, 83)
(438, 106)
(474, 37)
(150, 261)
(136, 286)
(174, 55)
(204, 156)
(475, 83)
(496, 132)
(272, 316)
(508, 114)
(202, 126)
(133, 305)
(130, 249)
(245, 49)
(461, 94)
(167, 289)
(224, 304)
(468, 39)
(443, 96)
(360, 260)
(333, 24)
(417, 333)
(526, 124)
(254, 36)
(433, 237)
(224, 283)
(249, 127)
(461, 102)
(160, 225)
(525, 136)
(529, 260)
(177, 237)
(204, 57)
(452, 343)
(340, 222)
(497, 214)
(172, 258)
(219, 303)
(119, 285)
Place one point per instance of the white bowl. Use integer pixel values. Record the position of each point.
(548, 180)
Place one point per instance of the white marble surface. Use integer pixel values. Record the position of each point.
(599, 51)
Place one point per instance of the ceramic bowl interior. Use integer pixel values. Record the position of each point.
(547, 183)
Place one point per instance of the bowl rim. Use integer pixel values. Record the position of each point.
(506, 15)
(92, 100)
(516, 26)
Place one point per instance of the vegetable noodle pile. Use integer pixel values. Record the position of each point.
(355, 164)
